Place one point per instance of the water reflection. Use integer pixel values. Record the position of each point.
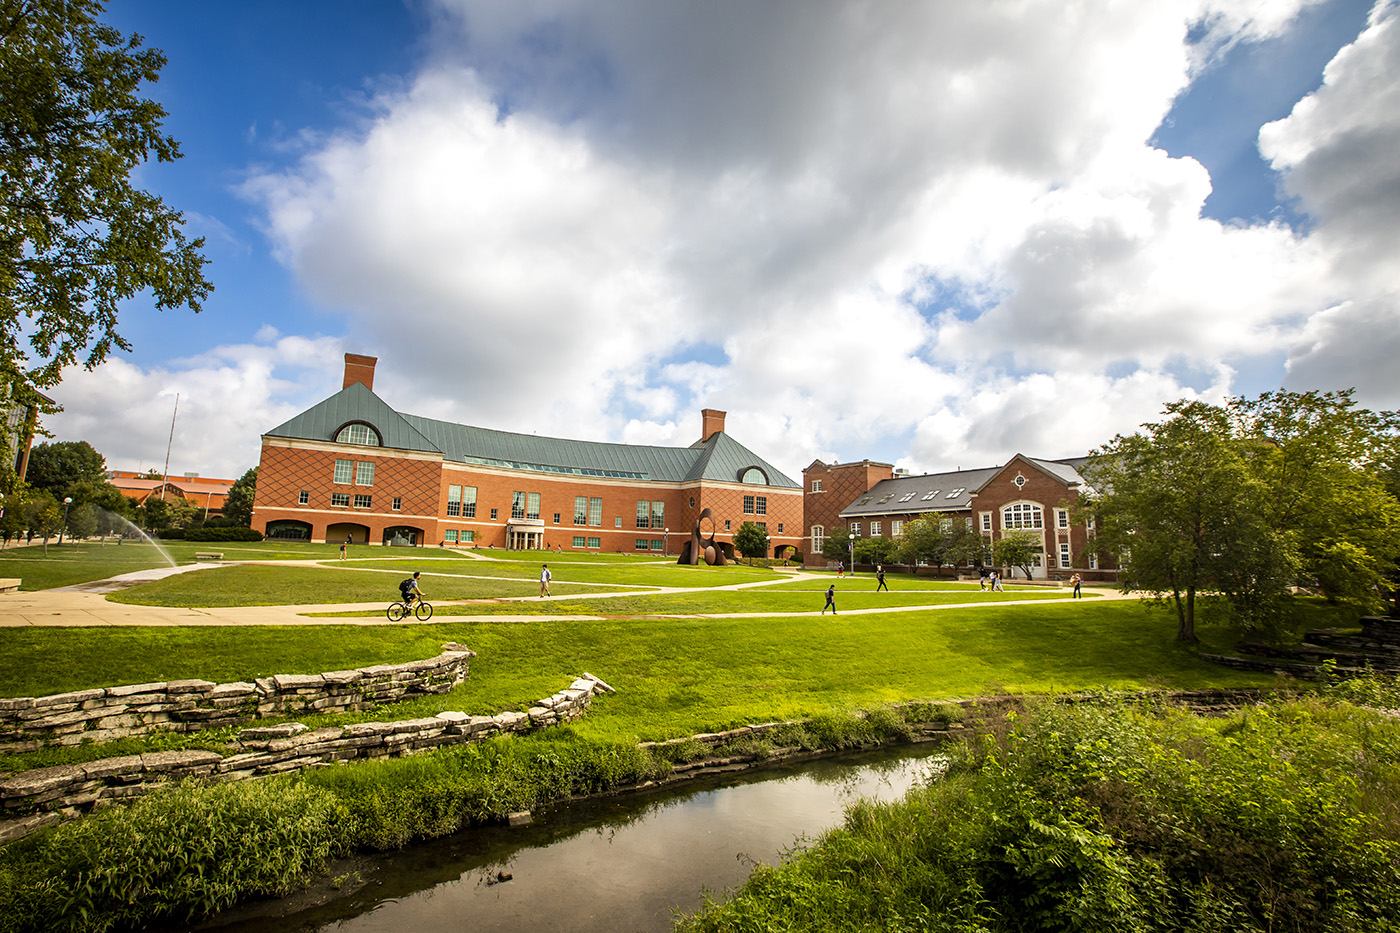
(617, 864)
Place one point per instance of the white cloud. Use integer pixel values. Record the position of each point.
(227, 398)
(928, 224)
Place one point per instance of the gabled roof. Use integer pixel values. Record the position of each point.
(952, 493)
(1065, 470)
(720, 458)
(320, 422)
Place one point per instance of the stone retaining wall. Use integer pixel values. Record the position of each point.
(104, 714)
(42, 796)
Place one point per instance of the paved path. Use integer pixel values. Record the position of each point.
(86, 605)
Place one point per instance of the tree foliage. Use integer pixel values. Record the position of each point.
(1249, 499)
(837, 545)
(238, 504)
(750, 539)
(876, 550)
(1017, 548)
(77, 237)
(61, 465)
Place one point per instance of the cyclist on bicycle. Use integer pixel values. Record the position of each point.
(409, 590)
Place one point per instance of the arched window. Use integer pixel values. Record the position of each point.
(754, 477)
(1022, 515)
(358, 433)
(818, 536)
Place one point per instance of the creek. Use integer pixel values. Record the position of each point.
(620, 864)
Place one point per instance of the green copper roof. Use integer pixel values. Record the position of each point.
(721, 458)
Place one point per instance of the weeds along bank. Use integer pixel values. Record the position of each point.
(1120, 817)
(192, 849)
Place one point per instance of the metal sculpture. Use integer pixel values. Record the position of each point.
(700, 546)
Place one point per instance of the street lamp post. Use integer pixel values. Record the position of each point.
(666, 542)
(67, 501)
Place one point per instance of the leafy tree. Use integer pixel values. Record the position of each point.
(82, 521)
(922, 539)
(238, 505)
(12, 518)
(77, 237)
(837, 545)
(43, 516)
(877, 550)
(60, 466)
(966, 548)
(1017, 549)
(750, 539)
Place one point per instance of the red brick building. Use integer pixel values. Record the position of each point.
(1025, 493)
(353, 468)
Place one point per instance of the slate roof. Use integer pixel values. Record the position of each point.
(720, 458)
(884, 498)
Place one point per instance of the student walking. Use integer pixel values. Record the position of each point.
(1076, 581)
(840, 569)
(830, 599)
(343, 545)
(880, 575)
(996, 583)
(545, 577)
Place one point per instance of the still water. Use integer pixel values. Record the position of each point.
(615, 865)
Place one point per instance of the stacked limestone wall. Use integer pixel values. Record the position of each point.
(42, 796)
(104, 714)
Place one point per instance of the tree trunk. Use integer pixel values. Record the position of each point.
(1187, 631)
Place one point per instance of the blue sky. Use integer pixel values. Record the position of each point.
(933, 235)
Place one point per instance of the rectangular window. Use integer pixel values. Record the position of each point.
(468, 537)
(986, 521)
(595, 542)
(928, 495)
(450, 536)
(896, 528)
(532, 506)
(303, 498)
(641, 544)
(556, 518)
(364, 473)
(517, 505)
(907, 496)
(595, 511)
(957, 492)
(761, 505)
(1093, 562)
(397, 503)
(816, 485)
(493, 514)
(340, 498)
(726, 524)
(763, 525)
(780, 527)
(643, 513)
(361, 501)
(469, 502)
(748, 505)
(344, 471)
(1062, 518)
(945, 526)
(580, 511)
(818, 538)
(658, 515)
(578, 541)
(656, 544)
(617, 522)
(967, 523)
(1064, 554)
(875, 528)
(855, 529)
(454, 501)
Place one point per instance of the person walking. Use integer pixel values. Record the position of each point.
(545, 577)
(343, 545)
(996, 583)
(830, 599)
(1076, 581)
(880, 575)
(840, 569)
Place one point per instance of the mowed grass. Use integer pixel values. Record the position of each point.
(673, 677)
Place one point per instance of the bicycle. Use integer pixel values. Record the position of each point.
(420, 610)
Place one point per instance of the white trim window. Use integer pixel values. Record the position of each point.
(896, 528)
(875, 529)
(1065, 560)
(1062, 518)
(818, 537)
(1022, 515)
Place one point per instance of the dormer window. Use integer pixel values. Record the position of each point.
(358, 433)
(753, 476)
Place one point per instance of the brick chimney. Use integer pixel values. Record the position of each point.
(711, 423)
(359, 369)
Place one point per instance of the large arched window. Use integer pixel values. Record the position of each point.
(358, 433)
(754, 477)
(1022, 515)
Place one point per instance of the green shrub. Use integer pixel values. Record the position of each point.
(221, 533)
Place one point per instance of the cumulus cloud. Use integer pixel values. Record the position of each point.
(226, 399)
(940, 224)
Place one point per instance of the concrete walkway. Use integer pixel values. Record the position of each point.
(86, 605)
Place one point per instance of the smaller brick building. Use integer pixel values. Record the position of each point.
(1025, 493)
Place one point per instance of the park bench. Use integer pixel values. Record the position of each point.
(208, 555)
(9, 584)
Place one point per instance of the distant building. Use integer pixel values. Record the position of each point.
(1025, 494)
(21, 421)
(204, 492)
(354, 468)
